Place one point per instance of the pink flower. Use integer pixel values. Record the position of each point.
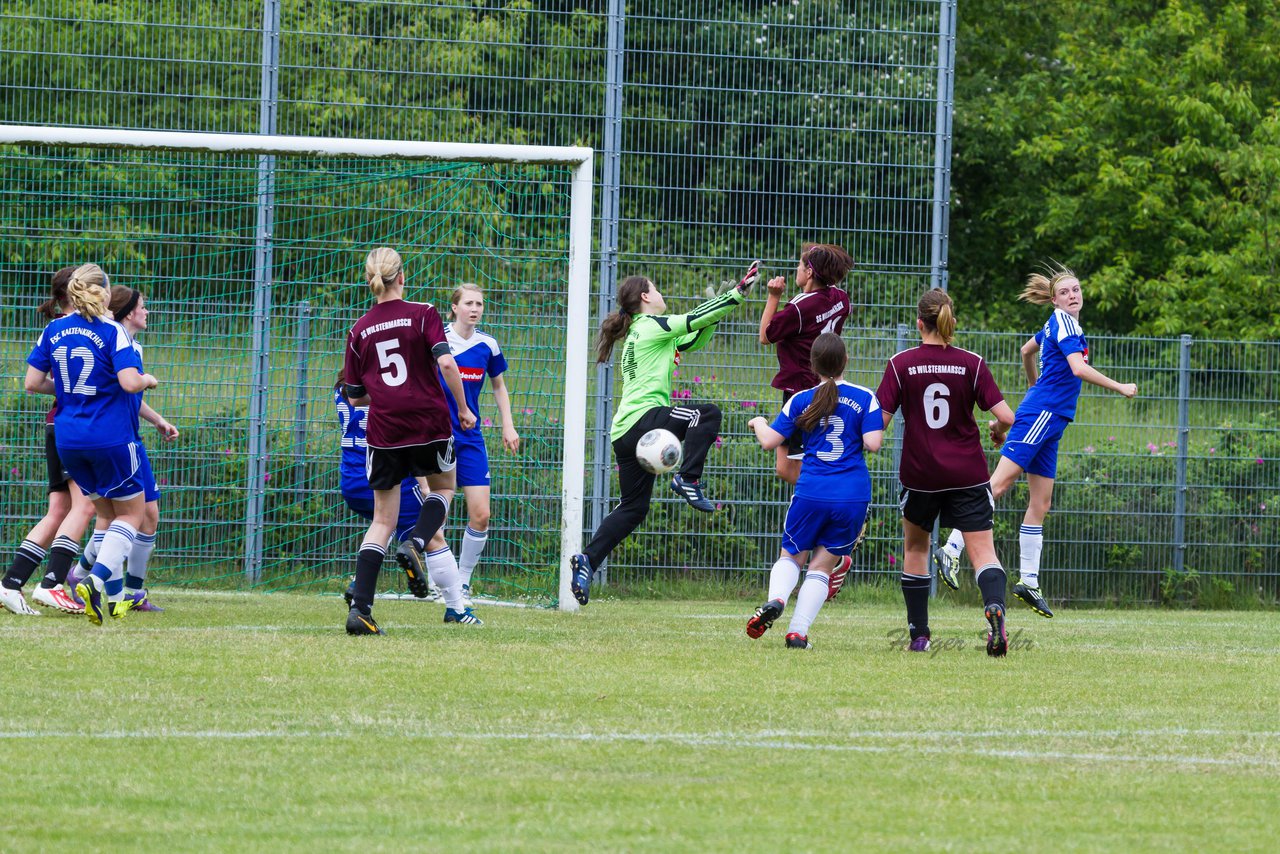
(1213, 450)
(713, 377)
(1173, 443)
(1152, 448)
(1262, 507)
(892, 560)
(528, 412)
(720, 443)
(226, 452)
(1259, 461)
(266, 477)
(1111, 438)
(487, 422)
(749, 404)
(1089, 449)
(697, 380)
(675, 372)
(164, 481)
(14, 472)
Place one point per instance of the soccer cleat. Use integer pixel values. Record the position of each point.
(141, 601)
(920, 644)
(90, 592)
(948, 567)
(466, 596)
(120, 607)
(1033, 598)
(764, 616)
(836, 581)
(464, 617)
(691, 491)
(13, 600)
(434, 593)
(56, 598)
(795, 640)
(997, 638)
(414, 564)
(580, 584)
(73, 596)
(361, 624)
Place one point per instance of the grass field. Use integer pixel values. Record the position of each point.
(251, 722)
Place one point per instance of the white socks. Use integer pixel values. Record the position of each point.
(783, 578)
(954, 544)
(813, 593)
(442, 571)
(473, 543)
(1031, 542)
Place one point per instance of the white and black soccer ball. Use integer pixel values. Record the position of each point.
(659, 451)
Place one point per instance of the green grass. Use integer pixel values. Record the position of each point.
(251, 722)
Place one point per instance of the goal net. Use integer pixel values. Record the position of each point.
(249, 251)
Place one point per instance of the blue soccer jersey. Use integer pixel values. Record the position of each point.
(1058, 389)
(834, 469)
(352, 476)
(477, 357)
(84, 358)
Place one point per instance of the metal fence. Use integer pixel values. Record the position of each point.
(725, 131)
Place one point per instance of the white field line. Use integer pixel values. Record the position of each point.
(744, 741)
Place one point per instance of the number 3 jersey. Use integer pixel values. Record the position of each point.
(392, 351)
(936, 388)
(833, 468)
(84, 358)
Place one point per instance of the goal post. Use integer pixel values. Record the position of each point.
(522, 204)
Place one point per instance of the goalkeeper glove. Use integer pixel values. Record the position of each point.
(752, 276)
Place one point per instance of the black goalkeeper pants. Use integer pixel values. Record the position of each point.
(697, 425)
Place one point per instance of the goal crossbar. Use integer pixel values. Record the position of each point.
(579, 159)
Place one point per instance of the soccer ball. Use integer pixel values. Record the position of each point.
(659, 451)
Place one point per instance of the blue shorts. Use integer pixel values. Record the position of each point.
(1033, 442)
(150, 490)
(473, 459)
(834, 525)
(113, 472)
(410, 503)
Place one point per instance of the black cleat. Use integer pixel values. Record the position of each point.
(763, 618)
(691, 491)
(795, 640)
(361, 624)
(997, 638)
(580, 583)
(414, 564)
(1033, 598)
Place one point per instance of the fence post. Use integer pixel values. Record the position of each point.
(255, 505)
(1184, 442)
(302, 354)
(942, 143)
(610, 191)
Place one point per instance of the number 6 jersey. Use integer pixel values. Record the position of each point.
(936, 387)
(392, 351)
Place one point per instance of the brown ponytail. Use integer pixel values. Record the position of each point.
(828, 263)
(937, 312)
(56, 305)
(618, 323)
(828, 359)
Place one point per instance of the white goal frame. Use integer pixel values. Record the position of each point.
(580, 159)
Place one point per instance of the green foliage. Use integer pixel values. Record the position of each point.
(1141, 149)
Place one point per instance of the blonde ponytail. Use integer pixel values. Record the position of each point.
(1039, 287)
(87, 291)
(937, 313)
(381, 268)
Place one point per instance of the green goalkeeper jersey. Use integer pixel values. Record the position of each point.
(649, 353)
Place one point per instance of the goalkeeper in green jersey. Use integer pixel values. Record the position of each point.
(653, 338)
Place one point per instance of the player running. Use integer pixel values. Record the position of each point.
(837, 422)
(392, 356)
(1041, 419)
(87, 360)
(943, 469)
(59, 532)
(478, 356)
(653, 338)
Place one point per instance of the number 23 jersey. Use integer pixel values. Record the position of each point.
(936, 387)
(392, 351)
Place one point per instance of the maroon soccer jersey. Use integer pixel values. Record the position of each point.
(936, 388)
(391, 351)
(795, 326)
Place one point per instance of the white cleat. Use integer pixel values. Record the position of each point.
(57, 599)
(14, 601)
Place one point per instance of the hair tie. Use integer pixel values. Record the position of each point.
(127, 309)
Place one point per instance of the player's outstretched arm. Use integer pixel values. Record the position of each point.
(774, 289)
(710, 312)
(167, 431)
(765, 435)
(1093, 376)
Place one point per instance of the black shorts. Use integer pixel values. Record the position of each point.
(794, 444)
(387, 467)
(59, 480)
(971, 509)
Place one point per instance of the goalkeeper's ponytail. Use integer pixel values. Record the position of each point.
(618, 323)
